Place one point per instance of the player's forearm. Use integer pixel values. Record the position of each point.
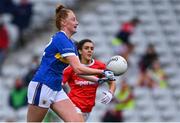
(89, 78)
(80, 69)
(112, 86)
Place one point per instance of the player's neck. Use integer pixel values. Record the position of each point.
(67, 33)
(86, 62)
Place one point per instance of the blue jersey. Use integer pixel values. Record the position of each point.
(53, 62)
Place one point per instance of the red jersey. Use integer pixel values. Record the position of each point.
(128, 27)
(83, 92)
(4, 41)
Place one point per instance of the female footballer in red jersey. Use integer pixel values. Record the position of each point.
(82, 91)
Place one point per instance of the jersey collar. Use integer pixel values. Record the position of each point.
(90, 63)
(64, 32)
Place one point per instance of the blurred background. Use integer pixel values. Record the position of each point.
(145, 32)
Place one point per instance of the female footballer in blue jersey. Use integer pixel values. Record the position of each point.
(45, 91)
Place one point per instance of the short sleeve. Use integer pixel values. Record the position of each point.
(67, 74)
(103, 66)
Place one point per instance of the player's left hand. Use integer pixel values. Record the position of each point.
(107, 97)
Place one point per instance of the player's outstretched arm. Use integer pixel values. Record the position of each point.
(95, 79)
(80, 69)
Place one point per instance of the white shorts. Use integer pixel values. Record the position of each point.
(43, 96)
(84, 114)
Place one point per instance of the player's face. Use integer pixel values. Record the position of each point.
(87, 51)
(71, 23)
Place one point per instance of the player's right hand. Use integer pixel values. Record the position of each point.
(109, 74)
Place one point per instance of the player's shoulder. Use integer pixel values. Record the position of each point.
(59, 35)
(68, 71)
(68, 68)
(98, 62)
